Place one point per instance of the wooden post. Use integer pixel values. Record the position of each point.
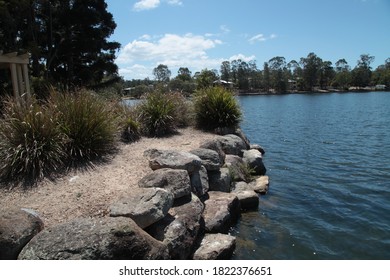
(14, 77)
(26, 81)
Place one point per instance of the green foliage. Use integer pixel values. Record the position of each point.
(31, 141)
(88, 122)
(216, 107)
(129, 126)
(157, 114)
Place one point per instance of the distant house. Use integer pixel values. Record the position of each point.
(223, 83)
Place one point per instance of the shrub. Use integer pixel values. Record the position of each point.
(88, 122)
(216, 107)
(160, 113)
(128, 124)
(31, 141)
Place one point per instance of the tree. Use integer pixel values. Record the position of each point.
(277, 66)
(162, 73)
(206, 78)
(67, 39)
(266, 77)
(361, 74)
(184, 74)
(225, 70)
(311, 66)
(342, 74)
(326, 75)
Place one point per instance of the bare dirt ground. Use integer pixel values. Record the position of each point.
(89, 193)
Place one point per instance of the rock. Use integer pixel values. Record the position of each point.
(200, 182)
(257, 147)
(210, 158)
(173, 180)
(254, 160)
(216, 247)
(17, 228)
(221, 211)
(239, 170)
(216, 146)
(260, 185)
(249, 200)
(220, 180)
(144, 206)
(94, 239)
(173, 159)
(180, 229)
(242, 135)
(232, 144)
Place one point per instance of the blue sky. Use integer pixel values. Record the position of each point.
(200, 34)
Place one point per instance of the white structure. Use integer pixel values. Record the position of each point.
(18, 65)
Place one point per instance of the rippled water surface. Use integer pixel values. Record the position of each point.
(328, 158)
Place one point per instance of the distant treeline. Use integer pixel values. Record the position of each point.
(277, 75)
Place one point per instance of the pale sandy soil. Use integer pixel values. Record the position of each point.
(90, 193)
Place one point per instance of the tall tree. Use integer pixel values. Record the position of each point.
(184, 74)
(225, 70)
(162, 73)
(206, 78)
(67, 39)
(361, 74)
(278, 68)
(311, 66)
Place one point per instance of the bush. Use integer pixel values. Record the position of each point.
(216, 107)
(129, 126)
(160, 114)
(88, 122)
(31, 141)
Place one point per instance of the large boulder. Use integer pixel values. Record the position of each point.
(179, 230)
(17, 228)
(220, 180)
(221, 211)
(94, 239)
(257, 147)
(254, 160)
(239, 170)
(144, 206)
(216, 146)
(249, 200)
(174, 180)
(200, 182)
(232, 144)
(173, 159)
(210, 158)
(260, 185)
(216, 247)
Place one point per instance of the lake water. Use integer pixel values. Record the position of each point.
(328, 158)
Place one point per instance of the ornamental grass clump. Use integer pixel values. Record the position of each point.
(87, 121)
(161, 113)
(216, 107)
(31, 141)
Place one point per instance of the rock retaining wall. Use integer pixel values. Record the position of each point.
(183, 209)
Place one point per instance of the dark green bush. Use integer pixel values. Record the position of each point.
(88, 122)
(216, 107)
(161, 113)
(31, 141)
(128, 124)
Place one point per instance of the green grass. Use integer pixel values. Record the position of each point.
(161, 113)
(32, 144)
(216, 107)
(87, 121)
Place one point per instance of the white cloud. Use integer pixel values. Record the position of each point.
(175, 2)
(170, 47)
(146, 5)
(261, 38)
(242, 57)
(142, 5)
